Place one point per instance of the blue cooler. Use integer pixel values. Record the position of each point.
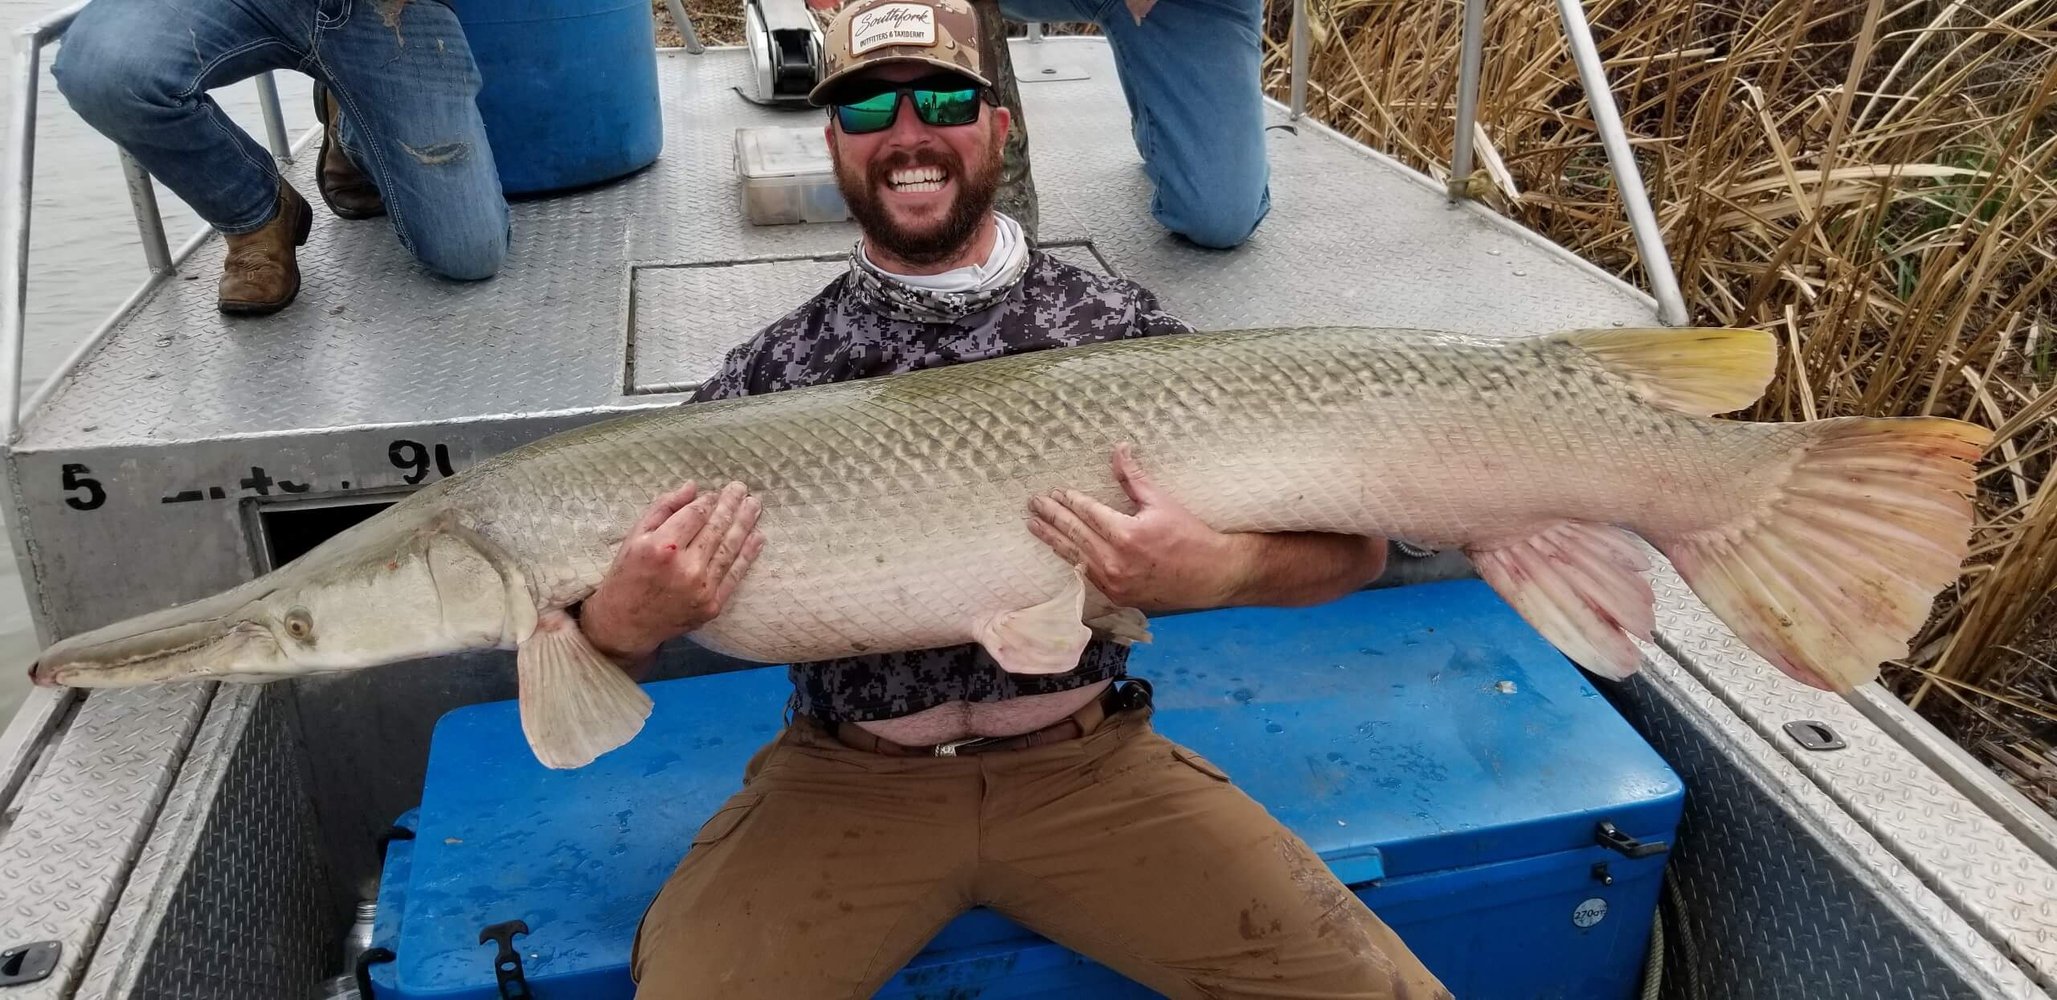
(1448, 764)
(567, 89)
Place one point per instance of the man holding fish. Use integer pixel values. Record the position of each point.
(912, 786)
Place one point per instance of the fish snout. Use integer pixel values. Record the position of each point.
(40, 677)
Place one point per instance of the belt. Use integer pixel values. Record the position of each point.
(1118, 697)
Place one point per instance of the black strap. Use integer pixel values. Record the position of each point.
(507, 965)
(365, 960)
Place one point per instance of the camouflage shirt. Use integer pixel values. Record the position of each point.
(864, 324)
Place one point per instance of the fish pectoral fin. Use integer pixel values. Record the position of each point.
(1701, 371)
(1046, 638)
(576, 704)
(1582, 587)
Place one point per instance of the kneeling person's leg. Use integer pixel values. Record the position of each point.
(409, 94)
(139, 72)
(1190, 70)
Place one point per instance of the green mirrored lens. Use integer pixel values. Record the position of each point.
(947, 107)
(868, 115)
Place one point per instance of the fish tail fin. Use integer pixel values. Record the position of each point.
(1699, 370)
(1840, 570)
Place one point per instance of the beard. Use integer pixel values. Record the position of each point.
(862, 189)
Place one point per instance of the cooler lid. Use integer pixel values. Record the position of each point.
(1411, 729)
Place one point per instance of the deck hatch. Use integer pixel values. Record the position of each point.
(684, 317)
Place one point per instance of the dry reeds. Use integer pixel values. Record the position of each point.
(1876, 183)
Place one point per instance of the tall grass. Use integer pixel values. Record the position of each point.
(1877, 183)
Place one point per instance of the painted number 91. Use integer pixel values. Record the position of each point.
(412, 457)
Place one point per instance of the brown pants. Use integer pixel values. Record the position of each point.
(833, 868)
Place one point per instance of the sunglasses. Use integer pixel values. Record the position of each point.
(936, 102)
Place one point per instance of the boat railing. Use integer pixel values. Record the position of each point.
(1671, 305)
(17, 183)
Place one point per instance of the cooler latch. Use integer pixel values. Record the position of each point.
(507, 964)
(1612, 838)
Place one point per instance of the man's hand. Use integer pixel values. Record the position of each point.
(674, 572)
(1161, 558)
(1164, 558)
(824, 4)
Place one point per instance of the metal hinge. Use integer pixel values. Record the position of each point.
(1612, 838)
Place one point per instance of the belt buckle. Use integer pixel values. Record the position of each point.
(950, 749)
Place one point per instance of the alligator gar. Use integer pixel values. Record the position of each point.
(895, 511)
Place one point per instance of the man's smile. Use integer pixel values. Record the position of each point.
(916, 180)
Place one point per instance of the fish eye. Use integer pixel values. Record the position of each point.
(300, 624)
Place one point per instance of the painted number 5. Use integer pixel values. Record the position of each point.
(75, 478)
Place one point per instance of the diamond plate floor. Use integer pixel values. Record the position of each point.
(375, 339)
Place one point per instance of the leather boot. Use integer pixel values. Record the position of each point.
(261, 274)
(346, 190)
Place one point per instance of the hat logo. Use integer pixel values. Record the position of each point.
(892, 24)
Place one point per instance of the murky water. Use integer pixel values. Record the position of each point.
(84, 259)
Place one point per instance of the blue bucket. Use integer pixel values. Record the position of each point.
(569, 89)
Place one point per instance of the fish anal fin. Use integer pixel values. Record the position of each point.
(1697, 370)
(576, 704)
(1582, 587)
(1046, 638)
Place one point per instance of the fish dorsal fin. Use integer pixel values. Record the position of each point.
(1046, 638)
(1582, 587)
(1697, 370)
(576, 704)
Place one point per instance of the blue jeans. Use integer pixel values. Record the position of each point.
(1190, 73)
(139, 72)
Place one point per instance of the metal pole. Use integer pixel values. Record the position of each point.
(1035, 32)
(1467, 96)
(14, 229)
(149, 222)
(274, 121)
(1299, 58)
(685, 26)
(1671, 306)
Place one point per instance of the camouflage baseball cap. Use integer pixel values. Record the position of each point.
(866, 33)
